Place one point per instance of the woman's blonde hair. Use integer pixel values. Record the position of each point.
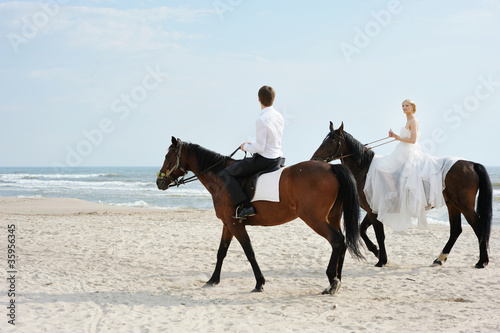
(412, 103)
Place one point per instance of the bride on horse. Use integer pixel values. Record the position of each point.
(394, 188)
(404, 184)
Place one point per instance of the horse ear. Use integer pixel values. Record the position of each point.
(341, 128)
(174, 142)
(331, 126)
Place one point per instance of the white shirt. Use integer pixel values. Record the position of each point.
(269, 127)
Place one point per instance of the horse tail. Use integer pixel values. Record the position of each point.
(348, 196)
(484, 202)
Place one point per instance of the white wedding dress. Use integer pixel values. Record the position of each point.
(406, 183)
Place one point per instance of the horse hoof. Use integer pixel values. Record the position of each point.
(380, 264)
(258, 289)
(481, 265)
(333, 288)
(210, 284)
(437, 263)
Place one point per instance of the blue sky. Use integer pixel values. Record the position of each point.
(107, 83)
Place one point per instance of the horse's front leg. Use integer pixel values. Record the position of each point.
(225, 241)
(365, 224)
(378, 227)
(455, 231)
(241, 235)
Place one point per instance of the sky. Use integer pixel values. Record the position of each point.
(108, 83)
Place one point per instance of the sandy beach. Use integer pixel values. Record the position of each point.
(88, 267)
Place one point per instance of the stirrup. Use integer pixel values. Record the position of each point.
(236, 211)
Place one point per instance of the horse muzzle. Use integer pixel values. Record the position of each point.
(163, 183)
(327, 160)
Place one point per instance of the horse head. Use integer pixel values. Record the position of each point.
(332, 146)
(173, 167)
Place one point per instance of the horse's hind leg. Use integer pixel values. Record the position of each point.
(337, 240)
(473, 219)
(455, 231)
(334, 270)
(331, 232)
(226, 238)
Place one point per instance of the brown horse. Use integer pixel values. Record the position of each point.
(316, 192)
(462, 183)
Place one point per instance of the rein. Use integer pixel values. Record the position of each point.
(182, 181)
(341, 157)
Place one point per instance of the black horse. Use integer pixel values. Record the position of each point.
(462, 183)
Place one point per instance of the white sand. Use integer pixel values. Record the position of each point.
(85, 267)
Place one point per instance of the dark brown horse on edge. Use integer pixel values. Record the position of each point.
(316, 192)
(462, 183)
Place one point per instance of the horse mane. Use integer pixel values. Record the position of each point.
(207, 158)
(364, 157)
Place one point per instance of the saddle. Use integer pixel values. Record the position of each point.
(248, 184)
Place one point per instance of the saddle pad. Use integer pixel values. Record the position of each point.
(268, 187)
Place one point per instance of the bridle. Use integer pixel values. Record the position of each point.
(340, 156)
(337, 156)
(178, 164)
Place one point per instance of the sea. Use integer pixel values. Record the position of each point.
(136, 187)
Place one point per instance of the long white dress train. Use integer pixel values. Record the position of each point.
(406, 183)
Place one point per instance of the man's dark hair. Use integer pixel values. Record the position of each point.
(266, 95)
